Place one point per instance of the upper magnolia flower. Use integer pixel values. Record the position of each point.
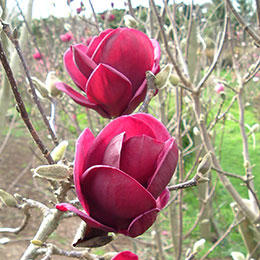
(111, 70)
(121, 175)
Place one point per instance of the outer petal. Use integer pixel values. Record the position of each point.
(110, 89)
(166, 164)
(163, 199)
(107, 191)
(72, 69)
(96, 41)
(83, 145)
(83, 61)
(131, 125)
(112, 153)
(80, 99)
(157, 56)
(136, 99)
(128, 51)
(85, 217)
(140, 224)
(160, 130)
(138, 157)
(125, 255)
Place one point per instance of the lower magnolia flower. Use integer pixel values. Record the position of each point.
(125, 255)
(121, 175)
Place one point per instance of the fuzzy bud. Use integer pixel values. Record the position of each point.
(37, 242)
(58, 152)
(8, 199)
(174, 80)
(196, 131)
(199, 245)
(205, 165)
(238, 256)
(50, 83)
(40, 86)
(162, 77)
(255, 128)
(52, 172)
(130, 21)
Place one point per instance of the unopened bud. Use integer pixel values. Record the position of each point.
(174, 80)
(223, 95)
(255, 128)
(50, 83)
(196, 131)
(37, 242)
(52, 172)
(205, 164)
(238, 256)
(15, 33)
(67, 27)
(199, 245)
(162, 77)
(41, 87)
(58, 152)
(130, 21)
(8, 199)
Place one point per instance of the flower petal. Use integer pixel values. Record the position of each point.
(163, 199)
(140, 224)
(83, 61)
(157, 55)
(110, 89)
(138, 157)
(112, 153)
(166, 164)
(80, 99)
(107, 191)
(125, 255)
(161, 132)
(72, 69)
(85, 217)
(83, 145)
(129, 51)
(131, 125)
(96, 41)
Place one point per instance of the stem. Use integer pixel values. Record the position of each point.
(22, 108)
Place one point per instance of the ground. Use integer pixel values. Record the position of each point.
(16, 161)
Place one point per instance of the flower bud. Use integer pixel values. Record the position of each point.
(59, 151)
(130, 21)
(255, 128)
(37, 242)
(219, 88)
(199, 245)
(174, 79)
(8, 199)
(162, 77)
(205, 165)
(52, 172)
(223, 95)
(50, 83)
(40, 87)
(238, 256)
(196, 131)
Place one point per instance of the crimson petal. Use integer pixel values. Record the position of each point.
(138, 157)
(112, 153)
(83, 144)
(107, 191)
(85, 217)
(163, 199)
(96, 41)
(72, 69)
(129, 51)
(80, 99)
(110, 89)
(125, 255)
(131, 125)
(140, 224)
(166, 165)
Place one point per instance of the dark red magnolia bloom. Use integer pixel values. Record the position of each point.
(37, 55)
(78, 10)
(111, 70)
(67, 37)
(121, 175)
(125, 255)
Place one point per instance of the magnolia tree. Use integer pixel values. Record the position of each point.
(157, 88)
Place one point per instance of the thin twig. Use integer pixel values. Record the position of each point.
(21, 106)
(95, 16)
